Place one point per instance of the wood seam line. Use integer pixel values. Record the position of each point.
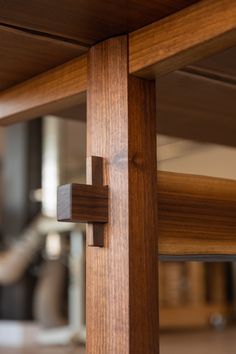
(44, 35)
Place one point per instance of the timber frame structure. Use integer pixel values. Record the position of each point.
(136, 205)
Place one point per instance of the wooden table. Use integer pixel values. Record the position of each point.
(118, 49)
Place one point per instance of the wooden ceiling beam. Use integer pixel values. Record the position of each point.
(189, 35)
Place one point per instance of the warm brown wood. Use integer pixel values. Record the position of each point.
(196, 283)
(187, 317)
(24, 55)
(94, 170)
(196, 215)
(122, 294)
(190, 35)
(190, 105)
(87, 21)
(40, 35)
(82, 203)
(94, 173)
(58, 88)
(217, 283)
(86, 203)
(160, 47)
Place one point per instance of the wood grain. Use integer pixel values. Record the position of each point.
(180, 39)
(87, 21)
(160, 47)
(24, 55)
(190, 104)
(58, 88)
(196, 215)
(39, 35)
(122, 306)
(94, 176)
(82, 203)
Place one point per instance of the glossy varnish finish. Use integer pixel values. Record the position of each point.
(197, 215)
(38, 35)
(155, 49)
(82, 203)
(24, 55)
(87, 21)
(122, 306)
(59, 88)
(190, 35)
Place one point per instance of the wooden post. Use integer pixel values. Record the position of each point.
(122, 284)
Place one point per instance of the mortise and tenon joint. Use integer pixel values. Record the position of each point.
(86, 203)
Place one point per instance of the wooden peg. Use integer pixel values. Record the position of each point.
(86, 203)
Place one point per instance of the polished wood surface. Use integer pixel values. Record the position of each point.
(94, 176)
(61, 87)
(196, 215)
(24, 55)
(38, 35)
(183, 95)
(190, 35)
(87, 21)
(146, 47)
(82, 203)
(122, 305)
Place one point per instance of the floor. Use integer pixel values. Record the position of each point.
(182, 343)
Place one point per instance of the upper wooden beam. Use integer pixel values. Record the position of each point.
(56, 89)
(187, 36)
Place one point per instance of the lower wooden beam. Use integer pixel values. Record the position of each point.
(197, 215)
(189, 317)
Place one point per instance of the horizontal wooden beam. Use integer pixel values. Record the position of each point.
(59, 88)
(189, 35)
(183, 38)
(197, 215)
(197, 316)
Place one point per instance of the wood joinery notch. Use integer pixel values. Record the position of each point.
(86, 203)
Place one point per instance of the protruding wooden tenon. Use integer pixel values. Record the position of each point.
(86, 203)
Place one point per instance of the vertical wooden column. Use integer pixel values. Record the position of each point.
(122, 284)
